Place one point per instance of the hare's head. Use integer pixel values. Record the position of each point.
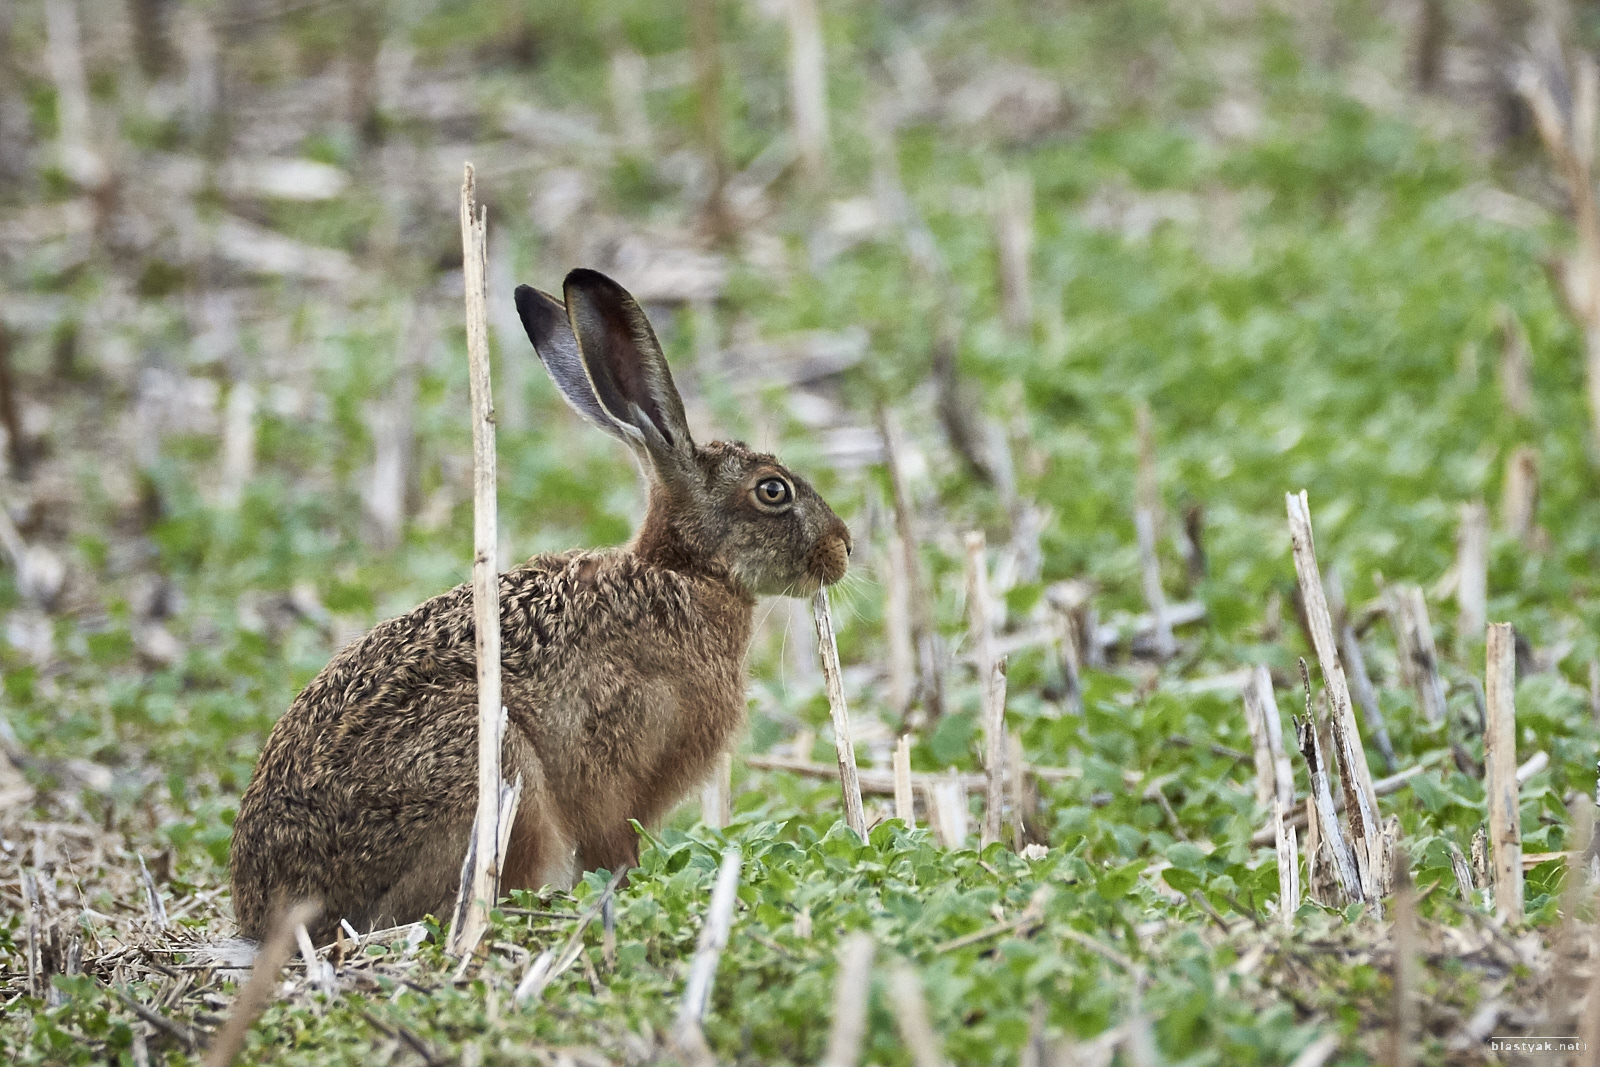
(719, 507)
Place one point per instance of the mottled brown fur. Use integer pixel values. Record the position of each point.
(623, 678)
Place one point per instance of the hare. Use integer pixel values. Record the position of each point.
(623, 668)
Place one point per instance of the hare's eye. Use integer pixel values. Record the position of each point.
(773, 492)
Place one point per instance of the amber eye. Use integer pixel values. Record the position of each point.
(773, 492)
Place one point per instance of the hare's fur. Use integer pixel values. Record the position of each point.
(623, 679)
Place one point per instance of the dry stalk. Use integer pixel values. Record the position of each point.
(924, 633)
(1067, 638)
(1258, 691)
(851, 997)
(1017, 782)
(705, 43)
(478, 895)
(1362, 690)
(1345, 867)
(258, 990)
(1594, 690)
(394, 433)
(901, 653)
(911, 1015)
(1383, 787)
(1500, 770)
(1472, 573)
(1519, 496)
(1146, 520)
(854, 814)
(1013, 225)
(1569, 140)
(905, 805)
(1361, 802)
(808, 87)
(992, 675)
(64, 59)
(1407, 1018)
(1255, 717)
(1516, 365)
(1463, 873)
(1276, 780)
(1581, 815)
(627, 79)
(318, 971)
(152, 897)
(687, 1034)
(946, 797)
(1419, 657)
(238, 444)
(550, 965)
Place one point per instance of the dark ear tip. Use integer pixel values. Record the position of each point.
(528, 298)
(588, 281)
(541, 313)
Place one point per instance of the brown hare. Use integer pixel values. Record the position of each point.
(623, 668)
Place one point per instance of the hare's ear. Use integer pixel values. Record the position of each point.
(545, 319)
(627, 370)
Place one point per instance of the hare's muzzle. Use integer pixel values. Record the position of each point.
(830, 556)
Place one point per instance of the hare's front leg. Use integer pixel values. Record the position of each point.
(541, 851)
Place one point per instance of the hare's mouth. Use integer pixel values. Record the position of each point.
(828, 560)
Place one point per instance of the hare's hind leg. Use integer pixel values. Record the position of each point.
(431, 878)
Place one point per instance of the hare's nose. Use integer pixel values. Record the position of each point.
(842, 532)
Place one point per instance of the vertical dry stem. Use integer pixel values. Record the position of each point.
(1516, 365)
(628, 71)
(707, 954)
(901, 651)
(1274, 785)
(1361, 801)
(911, 1015)
(1284, 836)
(1419, 657)
(1013, 223)
(258, 990)
(1571, 148)
(1255, 717)
(64, 57)
(1146, 521)
(905, 804)
(1472, 572)
(854, 814)
(808, 87)
(947, 810)
(1519, 497)
(1580, 814)
(992, 675)
(1355, 664)
(1327, 821)
(924, 634)
(706, 44)
(851, 998)
(1500, 770)
(480, 895)
(1594, 690)
(1067, 639)
(1017, 781)
(1407, 1022)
